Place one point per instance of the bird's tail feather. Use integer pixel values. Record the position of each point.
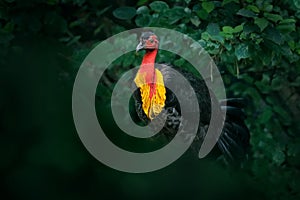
(234, 140)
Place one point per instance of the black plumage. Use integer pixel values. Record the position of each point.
(234, 139)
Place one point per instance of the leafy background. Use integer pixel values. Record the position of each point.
(254, 43)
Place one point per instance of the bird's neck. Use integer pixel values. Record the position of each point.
(151, 84)
(148, 61)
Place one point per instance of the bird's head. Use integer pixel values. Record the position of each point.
(148, 41)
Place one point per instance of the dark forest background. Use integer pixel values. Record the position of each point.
(255, 44)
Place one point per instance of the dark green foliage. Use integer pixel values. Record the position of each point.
(255, 44)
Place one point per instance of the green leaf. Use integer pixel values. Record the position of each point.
(142, 10)
(102, 11)
(208, 6)
(242, 51)
(5, 37)
(278, 156)
(128, 60)
(286, 28)
(268, 8)
(195, 20)
(287, 25)
(273, 17)
(297, 3)
(284, 116)
(246, 13)
(262, 23)
(265, 116)
(229, 1)
(253, 8)
(296, 82)
(141, 2)
(238, 28)
(159, 6)
(179, 62)
(228, 29)
(124, 13)
(277, 83)
(143, 20)
(250, 28)
(54, 23)
(74, 40)
(174, 14)
(205, 36)
(9, 27)
(78, 22)
(202, 14)
(287, 21)
(273, 35)
(253, 93)
(213, 29)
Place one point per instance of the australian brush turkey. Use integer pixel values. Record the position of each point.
(151, 98)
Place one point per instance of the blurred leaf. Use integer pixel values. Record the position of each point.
(208, 6)
(253, 8)
(278, 157)
(102, 11)
(142, 10)
(268, 8)
(297, 3)
(284, 116)
(55, 23)
(5, 37)
(159, 6)
(143, 20)
(128, 60)
(229, 1)
(52, 2)
(9, 27)
(195, 20)
(202, 14)
(141, 2)
(74, 40)
(174, 14)
(124, 13)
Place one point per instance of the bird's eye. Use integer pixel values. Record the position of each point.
(151, 40)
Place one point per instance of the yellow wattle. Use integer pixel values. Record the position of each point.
(151, 106)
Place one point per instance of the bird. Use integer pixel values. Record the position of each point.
(152, 100)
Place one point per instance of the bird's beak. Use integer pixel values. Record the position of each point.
(139, 46)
